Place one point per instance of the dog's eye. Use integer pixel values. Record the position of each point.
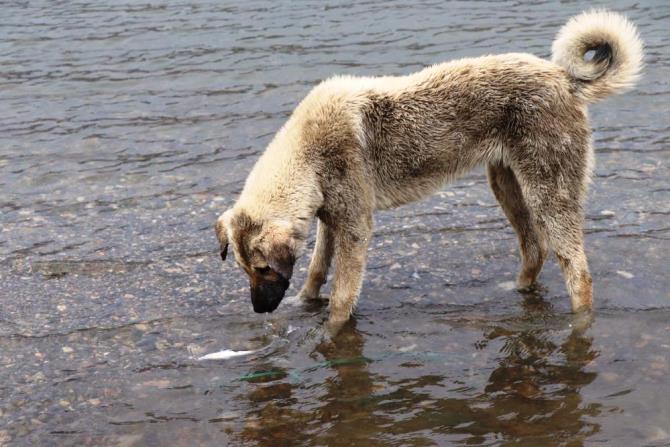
(263, 270)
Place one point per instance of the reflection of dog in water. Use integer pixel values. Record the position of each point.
(530, 394)
(355, 145)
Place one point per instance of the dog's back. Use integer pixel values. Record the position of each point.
(420, 130)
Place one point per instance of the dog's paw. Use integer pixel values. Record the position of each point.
(307, 295)
(334, 326)
(301, 298)
(293, 300)
(525, 283)
(525, 288)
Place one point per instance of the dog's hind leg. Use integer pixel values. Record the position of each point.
(564, 230)
(320, 262)
(532, 244)
(554, 190)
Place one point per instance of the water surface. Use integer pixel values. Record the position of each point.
(127, 127)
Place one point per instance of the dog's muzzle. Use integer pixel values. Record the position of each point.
(266, 295)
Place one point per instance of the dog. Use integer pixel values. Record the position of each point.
(358, 144)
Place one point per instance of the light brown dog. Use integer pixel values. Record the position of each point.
(355, 145)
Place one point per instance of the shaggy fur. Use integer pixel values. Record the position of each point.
(358, 144)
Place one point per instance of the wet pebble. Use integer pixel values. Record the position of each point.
(155, 383)
(4, 438)
(195, 350)
(507, 285)
(656, 434)
(609, 377)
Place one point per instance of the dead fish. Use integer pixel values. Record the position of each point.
(225, 354)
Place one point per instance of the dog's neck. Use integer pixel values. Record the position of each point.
(272, 195)
(283, 184)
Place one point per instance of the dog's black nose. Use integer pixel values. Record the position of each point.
(266, 296)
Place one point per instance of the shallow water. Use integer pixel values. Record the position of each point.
(127, 127)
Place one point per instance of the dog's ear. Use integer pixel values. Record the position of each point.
(281, 259)
(221, 228)
(282, 249)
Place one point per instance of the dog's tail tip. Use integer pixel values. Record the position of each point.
(601, 50)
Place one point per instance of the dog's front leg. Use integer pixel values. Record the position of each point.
(320, 263)
(351, 247)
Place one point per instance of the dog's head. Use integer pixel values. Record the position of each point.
(265, 249)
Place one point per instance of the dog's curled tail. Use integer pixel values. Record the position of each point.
(601, 51)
